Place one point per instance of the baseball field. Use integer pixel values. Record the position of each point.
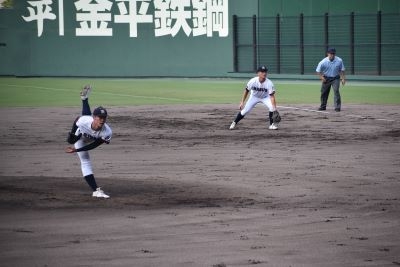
(323, 190)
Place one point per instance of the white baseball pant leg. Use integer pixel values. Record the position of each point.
(253, 101)
(86, 164)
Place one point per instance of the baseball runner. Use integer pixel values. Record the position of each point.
(330, 70)
(87, 133)
(261, 90)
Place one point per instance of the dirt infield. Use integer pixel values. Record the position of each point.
(323, 190)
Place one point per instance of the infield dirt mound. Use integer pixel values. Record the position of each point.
(323, 190)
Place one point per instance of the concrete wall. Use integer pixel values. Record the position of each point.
(26, 54)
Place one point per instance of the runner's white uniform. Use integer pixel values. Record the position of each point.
(84, 124)
(259, 92)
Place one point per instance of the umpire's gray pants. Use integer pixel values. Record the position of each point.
(326, 88)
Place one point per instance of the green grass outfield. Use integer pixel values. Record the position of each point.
(57, 92)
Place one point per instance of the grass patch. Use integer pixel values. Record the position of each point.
(54, 92)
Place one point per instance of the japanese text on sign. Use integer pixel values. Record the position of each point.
(169, 17)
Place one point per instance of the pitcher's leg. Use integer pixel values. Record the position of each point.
(85, 100)
(86, 166)
(86, 108)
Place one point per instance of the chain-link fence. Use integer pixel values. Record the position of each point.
(369, 44)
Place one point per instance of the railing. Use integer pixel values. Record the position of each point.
(368, 44)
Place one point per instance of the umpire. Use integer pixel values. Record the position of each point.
(331, 72)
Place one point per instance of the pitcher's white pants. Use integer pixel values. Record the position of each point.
(253, 101)
(86, 164)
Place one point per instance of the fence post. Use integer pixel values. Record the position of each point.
(379, 43)
(254, 42)
(352, 43)
(326, 26)
(235, 43)
(301, 31)
(278, 44)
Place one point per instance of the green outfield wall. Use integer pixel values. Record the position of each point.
(24, 53)
(42, 37)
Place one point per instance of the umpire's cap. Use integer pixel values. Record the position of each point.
(331, 50)
(100, 112)
(262, 69)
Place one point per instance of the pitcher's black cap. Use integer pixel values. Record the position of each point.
(100, 112)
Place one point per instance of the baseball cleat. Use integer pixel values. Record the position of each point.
(85, 92)
(273, 127)
(99, 193)
(233, 125)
